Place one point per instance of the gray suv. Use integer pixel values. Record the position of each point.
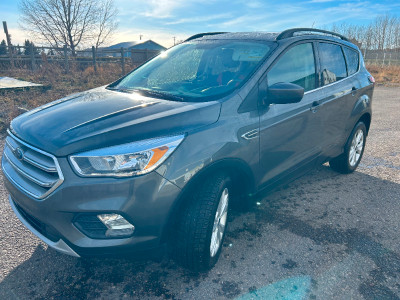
(154, 160)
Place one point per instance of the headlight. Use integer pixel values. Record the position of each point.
(126, 160)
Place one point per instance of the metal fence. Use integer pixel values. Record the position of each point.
(389, 57)
(37, 57)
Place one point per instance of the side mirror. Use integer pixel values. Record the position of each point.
(284, 93)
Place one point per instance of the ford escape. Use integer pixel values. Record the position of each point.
(155, 159)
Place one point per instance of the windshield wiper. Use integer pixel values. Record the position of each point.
(111, 88)
(163, 95)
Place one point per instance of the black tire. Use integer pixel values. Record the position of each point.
(342, 163)
(195, 227)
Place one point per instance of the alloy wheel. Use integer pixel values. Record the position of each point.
(219, 223)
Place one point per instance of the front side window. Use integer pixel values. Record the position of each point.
(333, 65)
(197, 70)
(296, 66)
(352, 59)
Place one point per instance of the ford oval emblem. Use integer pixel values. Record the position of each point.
(19, 153)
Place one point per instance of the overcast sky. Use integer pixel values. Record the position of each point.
(161, 20)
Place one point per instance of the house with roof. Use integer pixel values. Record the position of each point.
(149, 45)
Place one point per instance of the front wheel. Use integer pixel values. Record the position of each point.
(348, 161)
(202, 225)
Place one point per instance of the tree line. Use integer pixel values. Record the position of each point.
(28, 45)
(377, 39)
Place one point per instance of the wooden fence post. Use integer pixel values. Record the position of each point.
(94, 59)
(66, 59)
(122, 61)
(33, 62)
(384, 57)
(10, 48)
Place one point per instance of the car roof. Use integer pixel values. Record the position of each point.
(266, 36)
(290, 35)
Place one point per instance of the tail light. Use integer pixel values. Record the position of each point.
(371, 79)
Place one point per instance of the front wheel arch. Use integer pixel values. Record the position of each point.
(237, 170)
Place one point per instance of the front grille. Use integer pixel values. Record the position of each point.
(32, 170)
(44, 229)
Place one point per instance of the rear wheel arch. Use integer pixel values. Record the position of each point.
(366, 119)
(343, 162)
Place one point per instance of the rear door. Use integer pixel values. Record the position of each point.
(290, 133)
(341, 90)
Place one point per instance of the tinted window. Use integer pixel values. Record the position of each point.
(352, 60)
(295, 66)
(332, 63)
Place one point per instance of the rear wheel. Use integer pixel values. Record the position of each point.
(201, 229)
(348, 161)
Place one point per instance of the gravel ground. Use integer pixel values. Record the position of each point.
(324, 236)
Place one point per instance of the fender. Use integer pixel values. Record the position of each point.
(362, 107)
(237, 168)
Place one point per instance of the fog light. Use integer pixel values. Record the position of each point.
(116, 225)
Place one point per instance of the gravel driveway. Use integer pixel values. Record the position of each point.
(324, 236)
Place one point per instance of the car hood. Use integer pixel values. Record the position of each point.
(101, 117)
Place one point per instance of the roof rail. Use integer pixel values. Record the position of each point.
(199, 35)
(290, 33)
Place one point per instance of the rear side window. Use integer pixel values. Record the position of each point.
(352, 59)
(295, 66)
(333, 65)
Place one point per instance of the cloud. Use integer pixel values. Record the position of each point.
(162, 8)
(161, 20)
(320, 1)
(18, 36)
(200, 19)
(245, 21)
(156, 9)
(253, 4)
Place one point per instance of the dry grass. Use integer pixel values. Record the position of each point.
(386, 75)
(14, 103)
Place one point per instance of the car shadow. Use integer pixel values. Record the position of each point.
(320, 208)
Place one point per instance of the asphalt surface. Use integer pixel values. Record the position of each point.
(324, 236)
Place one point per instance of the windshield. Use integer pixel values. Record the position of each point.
(196, 71)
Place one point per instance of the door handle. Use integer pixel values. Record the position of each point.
(353, 90)
(314, 106)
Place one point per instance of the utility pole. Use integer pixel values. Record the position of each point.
(140, 36)
(10, 50)
(174, 40)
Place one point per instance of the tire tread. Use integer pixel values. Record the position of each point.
(193, 230)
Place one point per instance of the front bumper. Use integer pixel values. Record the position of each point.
(145, 201)
(60, 245)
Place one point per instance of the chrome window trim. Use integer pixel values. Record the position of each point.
(60, 174)
(321, 87)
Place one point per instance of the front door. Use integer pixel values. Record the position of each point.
(290, 133)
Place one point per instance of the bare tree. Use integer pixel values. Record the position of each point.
(380, 38)
(106, 22)
(69, 22)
